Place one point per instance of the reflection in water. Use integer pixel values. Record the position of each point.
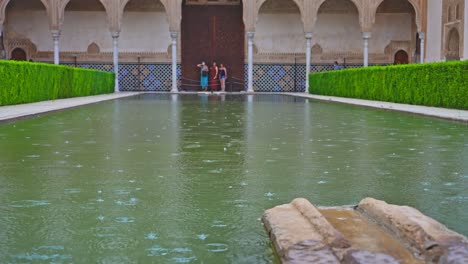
(185, 178)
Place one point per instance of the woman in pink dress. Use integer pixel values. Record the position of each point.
(214, 77)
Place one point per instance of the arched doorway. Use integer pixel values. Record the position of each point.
(453, 45)
(401, 57)
(18, 54)
(212, 31)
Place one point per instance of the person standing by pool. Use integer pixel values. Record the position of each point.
(204, 74)
(214, 77)
(222, 77)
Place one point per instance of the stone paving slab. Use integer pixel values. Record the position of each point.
(23, 110)
(453, 114)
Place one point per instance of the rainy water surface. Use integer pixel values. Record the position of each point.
(185, 179)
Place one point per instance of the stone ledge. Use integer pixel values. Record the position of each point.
(301, 233)
(423, 235)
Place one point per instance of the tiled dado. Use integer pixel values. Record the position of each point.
(284, 77)
(158, 77)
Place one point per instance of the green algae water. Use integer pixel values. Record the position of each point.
(160, 178)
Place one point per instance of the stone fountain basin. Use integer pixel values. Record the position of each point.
(371, 232)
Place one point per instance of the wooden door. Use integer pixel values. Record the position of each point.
(401, 57)
(212, 33)
(18, 54)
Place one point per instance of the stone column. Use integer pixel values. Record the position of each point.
(366, 36)
(56, 38)
(422, 37)
(250, 36)
(308, 37)
(115, 39)
(174, 36)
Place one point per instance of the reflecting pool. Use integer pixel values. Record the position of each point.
(160, 178)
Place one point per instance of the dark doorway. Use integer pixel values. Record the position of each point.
(212, 33)
(401, 57)
(18, 54)
(453, 45)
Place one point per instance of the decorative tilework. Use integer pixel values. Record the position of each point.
(140, 77)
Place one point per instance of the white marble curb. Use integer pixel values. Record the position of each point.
(17, 111)
(453, 114)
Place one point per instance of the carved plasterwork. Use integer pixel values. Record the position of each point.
(20, 42)
(394, 46)
(104, 57)
(308, 10)
(213, 2)
(453, 19)
(279, 6)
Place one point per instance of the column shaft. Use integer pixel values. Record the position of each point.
(115, 39)
(56, 38)
(250, 36)
(422, 37)
(174, 36)
(308, 37)
(366, 36)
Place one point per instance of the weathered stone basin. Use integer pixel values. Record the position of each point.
(371, 232)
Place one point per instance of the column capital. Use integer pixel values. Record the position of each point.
(174, 35)
(422, 35)
(366, 35)
(308, 35)
(115, 34)
(250, 35)
(55, 34)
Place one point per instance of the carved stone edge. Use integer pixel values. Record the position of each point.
(422, 235)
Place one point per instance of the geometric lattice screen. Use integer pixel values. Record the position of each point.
(158, 77)
(140, 77)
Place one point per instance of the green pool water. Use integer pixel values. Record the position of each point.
(160, 178)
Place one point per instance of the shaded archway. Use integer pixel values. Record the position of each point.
(338, 32)
(453, 45)
(27, 27)
(401, 57)
(84, 23)
(279, 44)
(395, 23)
(145, 47)
(18, 54)
(212, 32)
(279, 28)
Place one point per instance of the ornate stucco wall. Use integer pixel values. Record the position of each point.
(144, 27)
(453, 24)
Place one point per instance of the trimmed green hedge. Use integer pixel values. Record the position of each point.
(26, 82)
(442, 84)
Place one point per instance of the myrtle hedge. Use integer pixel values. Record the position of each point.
(26, 82)
(442, 84)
